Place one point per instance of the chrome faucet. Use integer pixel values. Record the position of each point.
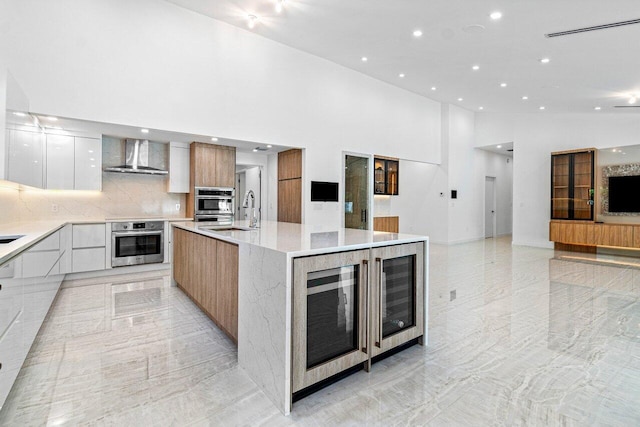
(253, 219)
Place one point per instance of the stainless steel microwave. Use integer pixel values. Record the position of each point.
(214, 201)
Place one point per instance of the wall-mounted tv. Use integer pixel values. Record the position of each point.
(324, 191)
(624, 193)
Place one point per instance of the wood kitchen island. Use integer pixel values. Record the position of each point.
(304, 303)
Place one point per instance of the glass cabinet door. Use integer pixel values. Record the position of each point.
(396, 316)
(379, 176)
(329, 315)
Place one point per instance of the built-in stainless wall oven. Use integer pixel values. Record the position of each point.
(135, 243)
(214, 204)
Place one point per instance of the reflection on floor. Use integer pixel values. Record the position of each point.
(526, 338)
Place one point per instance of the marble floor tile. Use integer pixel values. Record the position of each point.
(518, 336)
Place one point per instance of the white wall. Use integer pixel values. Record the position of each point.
(535, 136)
(261, 160)
(152, 64)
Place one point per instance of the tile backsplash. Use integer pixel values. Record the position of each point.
(122, 195)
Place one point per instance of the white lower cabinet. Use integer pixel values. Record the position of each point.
(89, 247)
(88, 259)
(28, 285)
(349, 307)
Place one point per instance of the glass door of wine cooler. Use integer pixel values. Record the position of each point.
(329, 315)
(396, 316)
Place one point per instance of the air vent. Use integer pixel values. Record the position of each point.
(597, 27)
(260, 149)
(510, 150)
(626, 106)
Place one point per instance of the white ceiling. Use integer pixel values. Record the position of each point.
(586, 70)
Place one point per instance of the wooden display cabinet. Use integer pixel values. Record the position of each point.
(572, 184)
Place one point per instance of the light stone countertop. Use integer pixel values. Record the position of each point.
(35, 231)
(299, 239)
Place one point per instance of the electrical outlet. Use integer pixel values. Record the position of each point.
(54, 207)
(177, 206)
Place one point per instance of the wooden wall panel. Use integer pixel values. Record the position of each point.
(290, 200)
(390, 224)
(227, 281)
(290, 164)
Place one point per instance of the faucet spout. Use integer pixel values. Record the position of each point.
(253, 219)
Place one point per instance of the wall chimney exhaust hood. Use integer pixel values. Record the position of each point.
(137, 159)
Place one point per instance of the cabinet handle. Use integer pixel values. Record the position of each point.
(365, 263)
(379, 287)
(0, 286)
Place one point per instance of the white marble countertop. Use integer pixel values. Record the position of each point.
(34, 231)
(299, 239)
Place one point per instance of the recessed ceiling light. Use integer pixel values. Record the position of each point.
(614, 150)
(417, 33)
(498, 146)
(52, 119)
(597, 108)
(364, 59)
(433, 88)
(480, 108)
(19, 114)
(401, 75)
(214, 139)
(495, 15)
(144, 130)
(524, 98)
(90, 151)
(545, 60)
(542, 107)
(279, 5)
(269, 145)
(460, 99)
(252, 20)
(632, 100)
(503, 85)
(475, 67)
(255, 150)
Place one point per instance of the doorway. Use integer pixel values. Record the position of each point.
(356, 192)
(248, 178)
(489, 207)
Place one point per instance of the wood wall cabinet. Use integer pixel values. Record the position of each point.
(206, 269)
(390, 224)
(385, 175)
(572, 184)
(210, 166)
(290, 186)
(589, 234)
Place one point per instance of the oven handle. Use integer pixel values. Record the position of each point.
(135, 233)
(215, 197)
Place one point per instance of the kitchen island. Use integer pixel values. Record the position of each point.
(312, 301)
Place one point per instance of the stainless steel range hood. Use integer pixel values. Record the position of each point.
(137, 159)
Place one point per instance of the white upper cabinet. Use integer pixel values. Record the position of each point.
(178, 167)
(88, 164)
(26, 158)
(60, 150)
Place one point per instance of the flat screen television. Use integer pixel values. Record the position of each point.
(624, 193)
(324, 191)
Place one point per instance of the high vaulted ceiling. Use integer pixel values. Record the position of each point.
(585, 71)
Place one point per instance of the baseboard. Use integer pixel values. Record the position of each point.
(135, 272)
(534, 244)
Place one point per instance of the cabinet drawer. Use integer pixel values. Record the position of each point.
(11, 300)
(12, 353)
(89, 236)
(39, 264)
(48, 244)
(90, 259)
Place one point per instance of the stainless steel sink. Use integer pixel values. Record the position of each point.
(10, 238)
